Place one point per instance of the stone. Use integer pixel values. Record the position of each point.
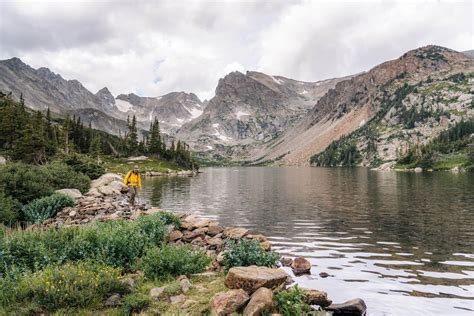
(3, 160)
(235, 232)
(315, 297)
(301, 266)
(129, 283)
(355, 307)
(220, 257)
(105, 180)
(199, 232)
(266, 245)
(153, 210)
(216, 242)
(112, 188)
(214, 228)
(93, 192)
(261, 300)
(157, 293)
(226, 303)
(418, 169)
(72, 213)
(73, 193)
(112, 301)
(252, 278)
(324, 274)
(286, 262)
(175, 235)
(177, 299)
(258, 237)
(185, 285)
(201, 223)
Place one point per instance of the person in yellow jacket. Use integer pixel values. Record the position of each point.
(134, 182)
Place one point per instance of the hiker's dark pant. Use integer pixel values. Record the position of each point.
(133, 194)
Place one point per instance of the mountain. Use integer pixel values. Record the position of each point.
(172, 109)
(249, 110)
(469, 53)
(42, 89)
(401, 102)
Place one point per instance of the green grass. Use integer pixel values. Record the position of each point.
(120, 165)
(449, 161)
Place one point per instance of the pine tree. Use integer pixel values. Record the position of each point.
(132, 137)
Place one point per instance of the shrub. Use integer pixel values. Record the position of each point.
(28, 182)
(248, 252)
(169, 261)
(116, 243)
(135, 303)
(85, 165)
(169, 218)
(41, 209)
(291, 302)
(9, 209)
(78, 285)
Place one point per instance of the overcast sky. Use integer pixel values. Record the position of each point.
(154, 47)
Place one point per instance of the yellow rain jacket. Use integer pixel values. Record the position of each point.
(133, 179)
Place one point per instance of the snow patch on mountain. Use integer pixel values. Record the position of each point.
(241, 113)
(123, 106)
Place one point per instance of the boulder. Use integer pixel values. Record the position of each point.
(185, 285)
(266, 245)
(201, 223)
(286, 262)
(199, 232)
(177, 299)
(113, 187)
(105, 180)
(93, 192)
(258, 237)
(355, 307)
(214, 228)
(315, 297)
(112, 301)
(3, 160)
(175, 235)
(73, 193)
(261, 300)
(215, 242)
(301, 266)
(252, 278)
(235, 232)
(226, 303)
(157, 293)
(418, 169)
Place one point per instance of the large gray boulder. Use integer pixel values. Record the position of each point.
(74, 193)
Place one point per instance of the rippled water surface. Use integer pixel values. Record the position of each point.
(403, 242)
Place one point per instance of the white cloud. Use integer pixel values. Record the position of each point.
(152, 48)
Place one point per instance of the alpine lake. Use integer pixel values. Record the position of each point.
(401, 241)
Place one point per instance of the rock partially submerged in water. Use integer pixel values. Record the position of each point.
(301, 266)
(315, 297)
(252, 278)
(355, 307)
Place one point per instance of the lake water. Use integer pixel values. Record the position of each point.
(403, 242)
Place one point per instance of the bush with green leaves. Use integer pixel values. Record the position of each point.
(247, 252)
(70, 286)
(9, 209)
(85, 165)
(116, 243)
(39, 210)
(169, 261)
(28, 182)
(170, 219)
(291, 302)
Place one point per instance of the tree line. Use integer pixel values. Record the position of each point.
(36, 137)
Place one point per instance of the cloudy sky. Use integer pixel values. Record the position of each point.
(154, 47)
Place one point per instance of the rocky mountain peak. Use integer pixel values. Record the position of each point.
(105, 96)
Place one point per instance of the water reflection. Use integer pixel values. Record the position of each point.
(401, 241)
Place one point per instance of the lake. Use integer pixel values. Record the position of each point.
(403, 242)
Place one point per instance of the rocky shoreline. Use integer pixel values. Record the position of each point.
(250, 290)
